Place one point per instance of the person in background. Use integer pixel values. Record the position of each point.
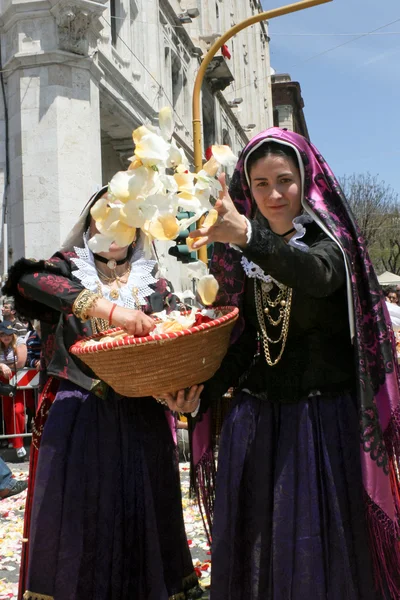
(33, 345)
(391, 295)
(12, 357)
(8, 485)
(10, 314)
(391, 298)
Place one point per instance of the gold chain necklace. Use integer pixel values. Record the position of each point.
(284, 298)
(114, 293)
(98, 324)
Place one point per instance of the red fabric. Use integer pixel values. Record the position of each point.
(208, 152)
(46, 399)
(225, 52)
(14, 416)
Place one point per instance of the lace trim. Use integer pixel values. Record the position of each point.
(298, 224)
(140, 277)
(253, 271)
(83, 303)
(34, 596)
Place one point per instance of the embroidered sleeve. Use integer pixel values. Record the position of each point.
(319, 272)
(43, 289)
(83, 303)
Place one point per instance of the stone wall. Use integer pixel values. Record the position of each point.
(79, 77)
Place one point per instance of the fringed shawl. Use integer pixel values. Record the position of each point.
(375, 354)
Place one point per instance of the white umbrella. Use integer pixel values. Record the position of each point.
(388, 278)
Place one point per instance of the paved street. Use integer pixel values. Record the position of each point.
(11, 528)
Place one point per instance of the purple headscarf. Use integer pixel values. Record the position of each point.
(375, 354)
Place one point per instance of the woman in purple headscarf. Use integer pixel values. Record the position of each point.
(308, 495)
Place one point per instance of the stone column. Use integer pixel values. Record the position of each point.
(54, 119)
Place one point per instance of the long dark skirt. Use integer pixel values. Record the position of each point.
(107, 519)
(289, 517)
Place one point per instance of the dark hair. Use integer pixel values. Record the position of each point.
(274, 149)
(390, 290)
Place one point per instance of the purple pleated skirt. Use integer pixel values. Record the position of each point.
(107, 520)
(289, 518)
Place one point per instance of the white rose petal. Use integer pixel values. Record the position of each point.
(100, 243)
(207, 289)
(152, 149)
(119, 185)
(166, 122)
(224, 155)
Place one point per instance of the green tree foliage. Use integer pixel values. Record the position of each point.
(377, 210)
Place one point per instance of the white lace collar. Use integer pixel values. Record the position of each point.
(139, 278)
(253, 271)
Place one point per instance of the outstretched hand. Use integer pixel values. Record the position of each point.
(183, 401)
(230, 227)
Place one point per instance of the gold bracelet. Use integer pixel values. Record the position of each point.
(83, 303)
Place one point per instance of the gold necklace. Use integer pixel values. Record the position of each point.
(98, 324)
(114, 293)
(284, 298)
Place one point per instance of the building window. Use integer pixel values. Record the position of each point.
(117, 18)
(208, 106)
(136, 29)
(217, 17)
(177, 79)
(113, 14)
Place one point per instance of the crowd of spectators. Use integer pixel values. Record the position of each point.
(19, 348)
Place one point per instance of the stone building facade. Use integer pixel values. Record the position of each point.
(288, 104)
(78, 75)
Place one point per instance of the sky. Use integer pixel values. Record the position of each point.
(351, 93)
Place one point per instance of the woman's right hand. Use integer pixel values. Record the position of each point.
(5, 370)
(230, 227)
(135, 322)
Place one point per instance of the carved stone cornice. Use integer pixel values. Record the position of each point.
(26, 61)
(78, 24)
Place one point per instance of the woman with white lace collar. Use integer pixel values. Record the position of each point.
(104, 514)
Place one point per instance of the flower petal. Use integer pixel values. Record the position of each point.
(152, 149)
(166, 227)
(211, 218)
(100, 243)
(211, 167)
(184, 181)
(100, 210)
(119, 185)
(138, 181)
(188, 201)
(166, 122)
(123, 235)
(138, 133)
(135, 164)
(207, 289)
(224, 155)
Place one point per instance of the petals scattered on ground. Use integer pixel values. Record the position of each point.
(11, 532)
(197, 538)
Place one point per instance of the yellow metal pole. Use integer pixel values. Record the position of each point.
(269, 14)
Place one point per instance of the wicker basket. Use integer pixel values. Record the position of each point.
(148, 366)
